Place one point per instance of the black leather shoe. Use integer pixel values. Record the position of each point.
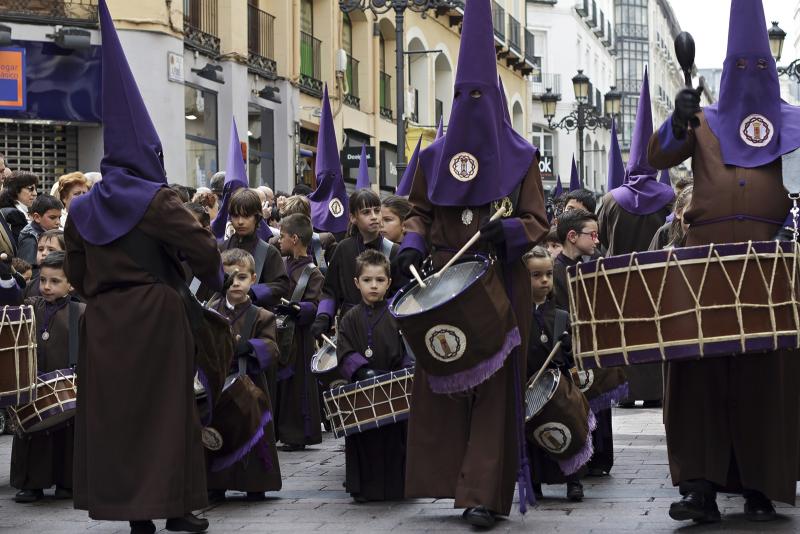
(758, 508)
(254, 496)
(187, 523)
(697, 506)
(575, 491)
(479, 517)
(291, 447)
(62, 493)
(216, 496)
(28, 496)
(652, 404)
(537, 491)
(142, 527)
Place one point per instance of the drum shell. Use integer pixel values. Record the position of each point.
(17, 355)
(54, 406)
(329, 377)
(482, 312)
(566, 412)
(238, 415)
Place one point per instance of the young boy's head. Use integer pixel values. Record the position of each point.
(394, 210)
(553, 244)
(245, 212)
(200, 213)
(49, 241)
(46, 212)
(580, 199)
(578, 231)
(540, 266)
(241, 265)
(365, 213)
(295, 235)
(53, 283)
(23, 268)
(296, 204)
(373, 276)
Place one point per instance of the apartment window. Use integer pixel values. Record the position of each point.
(544, 140)
(200, 109)
(307, 16)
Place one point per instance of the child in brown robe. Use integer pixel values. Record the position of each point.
(43, 459)
(257, 471)
(298, 414)
(369, 344)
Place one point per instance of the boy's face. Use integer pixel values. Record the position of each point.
(541, 270)
(243, 280)
(288, 243)
(373, 282)
(367, 220)
(586, 240)
(53, 284)
(554, 248)
(574, 204)
(244, 226)
(45, 247)
(51, 219)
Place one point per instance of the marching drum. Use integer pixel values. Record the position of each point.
(558, 419)
(602, 387)
(369, 404)
(17, 355)
(460, 326)
(325, 365)
(56, 394)
(686, 303)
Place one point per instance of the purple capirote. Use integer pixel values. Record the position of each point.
(616, 169)
(235, 179)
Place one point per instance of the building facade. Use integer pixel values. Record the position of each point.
(200, 63)
(570, 36)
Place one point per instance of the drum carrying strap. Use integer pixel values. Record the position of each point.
(386, 248)
(559, 324)
(245, 332)
(74, 335)
(319, 253)
(260, 256)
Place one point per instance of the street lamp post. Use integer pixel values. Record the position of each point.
(399, 7)
(585, 117)
(776, 38)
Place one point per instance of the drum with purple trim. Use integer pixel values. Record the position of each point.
(17, 355)
(686, 303)
(56, 393)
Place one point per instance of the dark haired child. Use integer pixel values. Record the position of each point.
(543, 336)
(50, 241)
(45, 215)
(298, 417)
(254, 329)
(394, 210)
(553, 243)
(369, 344)
(200, 213)
(580, 199)
(339, 293)
(22, 268)
(44, 459)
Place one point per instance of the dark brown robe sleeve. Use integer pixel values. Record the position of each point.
(274, 282)
(75, 259)
(264, 339)
(665, 151)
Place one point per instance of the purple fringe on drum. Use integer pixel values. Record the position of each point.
(470, 378)
(223, 462)
(604, 401)
(582, 457)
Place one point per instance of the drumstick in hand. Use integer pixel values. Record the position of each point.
(499, 213)
(328, 341)
(546, 362)
(420, 281)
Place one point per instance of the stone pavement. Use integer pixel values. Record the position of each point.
(634, 498)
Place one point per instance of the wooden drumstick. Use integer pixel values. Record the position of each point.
(546, 362)
(499, 213)
(329, 341)
(420, 281)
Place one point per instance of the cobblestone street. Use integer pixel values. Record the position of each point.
(634, 498)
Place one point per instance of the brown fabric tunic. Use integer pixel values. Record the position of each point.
(465, 446)
(622, 232)
(732, 420)
(137, 433)
(298, 413)
(251, 473)
(43, 459)
(375, 459)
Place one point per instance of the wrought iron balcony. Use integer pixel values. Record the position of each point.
(261, 42)
(71, 12)
(310, 65)
(499, 21)
(351, 97)
(200, 26)
(386, 96)
(514, 35)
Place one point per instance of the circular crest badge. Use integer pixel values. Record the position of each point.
(756, 130)
(212, 439)
(506, 203)
(464, 166)
(445, 342)
(553, 437)
(585, 380)
(336, 208)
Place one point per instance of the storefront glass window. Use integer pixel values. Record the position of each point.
(202, 161)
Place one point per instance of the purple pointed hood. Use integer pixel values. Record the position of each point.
(363, 170)
(235, 179)
(505, 110)
(133, 163)
(574, 178)
(558, 189)
(616, 169)
(753, 125)
(440, 128)
(404, 188)
(329, 206)
(642, 193)
(481, 159)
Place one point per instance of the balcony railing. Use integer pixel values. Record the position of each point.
(499, 21)
(72, 12)
(514, 35)
(310, 65)
(200, 25)
(544, 81)
(530, 52)
(351, 75)
(386, 96)
(261, 42)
